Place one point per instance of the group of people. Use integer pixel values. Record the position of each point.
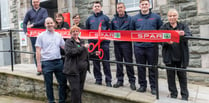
(72, 63)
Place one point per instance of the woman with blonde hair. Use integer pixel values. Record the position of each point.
(76, 63)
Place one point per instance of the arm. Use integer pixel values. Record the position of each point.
(159, 23)
(87, 24)
(44, 16)
(38, 59)
(132, 24)
(107, 23)
(25, 22)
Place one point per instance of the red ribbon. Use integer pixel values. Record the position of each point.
(136, 36)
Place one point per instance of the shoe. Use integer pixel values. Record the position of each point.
(108, 84)
(141, 89)
(133, 86)
(38, 73)
(153, 91)
(118, 84)
(98, 83)
(184, 98)
(173, 96)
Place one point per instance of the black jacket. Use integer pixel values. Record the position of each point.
(63, 25)
(76, 57)
(92, 23)
(166, 52)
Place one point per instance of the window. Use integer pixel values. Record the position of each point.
(4, 14)
(132, 5)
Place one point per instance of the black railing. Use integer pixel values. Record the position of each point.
(110, 61)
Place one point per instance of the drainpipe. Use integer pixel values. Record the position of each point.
(116, 1)
(70, 9)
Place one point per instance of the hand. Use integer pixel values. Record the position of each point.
(39, 69)
(30, 26)
(98, 53)
(86, 45)
(170, 42)
(181, 33)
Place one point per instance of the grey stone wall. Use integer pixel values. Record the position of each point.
(27, 87)
(14, 25)
(195, 13)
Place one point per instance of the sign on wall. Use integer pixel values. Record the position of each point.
(23, 37)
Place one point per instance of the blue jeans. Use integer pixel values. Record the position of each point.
(33, 42)
(56, 67)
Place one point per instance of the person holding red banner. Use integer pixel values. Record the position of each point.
(76, 63)
(36, 16)
(146, 52)
(60, 24)
(176, 55)
(123, 49)
(76, 21)
(92, 23)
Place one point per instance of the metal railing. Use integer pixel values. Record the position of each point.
(110, 61)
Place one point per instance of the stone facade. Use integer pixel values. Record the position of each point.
(195, 13)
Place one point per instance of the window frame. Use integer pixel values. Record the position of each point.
(136, 8)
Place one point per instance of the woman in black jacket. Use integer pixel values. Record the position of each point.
(176, 55)
(76, 64)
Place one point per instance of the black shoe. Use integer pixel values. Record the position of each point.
(133, 86)
(98, 83)
(173, 96)
(38, 73)
(184, 98)
(141, 89)
(153, 91)
(118, 84)
(108, 84)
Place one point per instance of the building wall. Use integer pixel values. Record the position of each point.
(195, 13)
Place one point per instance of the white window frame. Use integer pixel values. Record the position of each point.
(5, 15)
(137, 7)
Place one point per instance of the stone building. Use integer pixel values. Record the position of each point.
(193, 12)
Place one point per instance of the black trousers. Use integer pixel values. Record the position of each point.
(76, 86)
(146, 55)
(106, 66)
(182, 77)
(123, 52)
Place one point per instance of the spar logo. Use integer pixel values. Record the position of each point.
(103, 34)
(117, 35)
(153, 36)
(166, 35)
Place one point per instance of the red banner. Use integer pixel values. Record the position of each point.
(137, 36)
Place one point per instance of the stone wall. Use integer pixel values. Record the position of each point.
(13, 4)
(195, 13)
(28, 87)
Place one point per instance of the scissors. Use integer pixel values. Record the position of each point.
(98, 43)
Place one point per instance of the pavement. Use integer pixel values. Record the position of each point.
(197, 93)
